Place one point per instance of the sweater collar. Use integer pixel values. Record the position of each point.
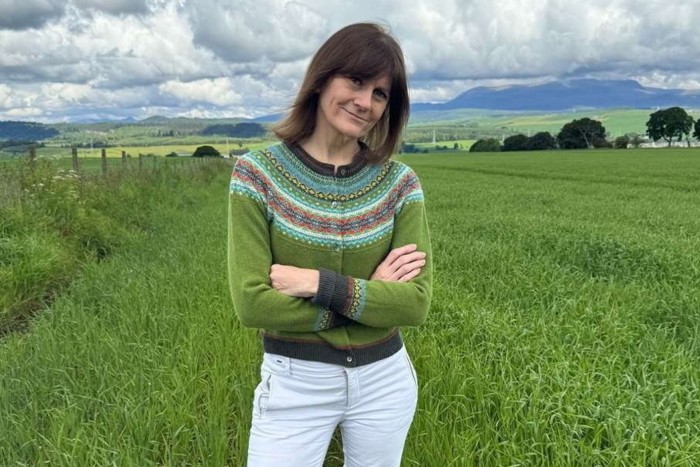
(359, 161)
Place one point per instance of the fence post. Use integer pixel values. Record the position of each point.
(74, 157)
(32, 155)
(140, 161)
(124, 160)
(104, 161)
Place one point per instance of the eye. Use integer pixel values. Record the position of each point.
(381, 94)
(355, 80)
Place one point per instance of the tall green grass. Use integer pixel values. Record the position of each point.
(54, 220)
(563, 330)
(565, 325)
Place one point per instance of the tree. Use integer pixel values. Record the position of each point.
(486, 145)
(541, 141)
(696, 133)
(515, 143)
(668, 124)
(581, 133)
(206, 151)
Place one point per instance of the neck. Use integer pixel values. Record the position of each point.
(330, 147)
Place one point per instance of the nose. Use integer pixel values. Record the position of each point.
(363, 99)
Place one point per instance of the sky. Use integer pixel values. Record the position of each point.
(82, 60)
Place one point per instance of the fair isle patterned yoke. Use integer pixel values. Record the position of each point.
(317, 209)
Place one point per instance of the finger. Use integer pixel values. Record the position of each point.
(400, 265)
(410, 275)
(406, 269)
(409, 258)
(397, 252)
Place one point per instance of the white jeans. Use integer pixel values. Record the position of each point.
(299, 403)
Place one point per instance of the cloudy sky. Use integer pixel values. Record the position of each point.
(84, 59)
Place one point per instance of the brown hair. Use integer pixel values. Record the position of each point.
(366, 51)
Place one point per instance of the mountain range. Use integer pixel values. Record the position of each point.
(567, 95)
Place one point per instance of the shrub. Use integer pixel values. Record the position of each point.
(408, 148)
(486, 145)
(206, 151)
(601, 143)
(621, 142)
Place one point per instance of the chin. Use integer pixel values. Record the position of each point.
(352, 131)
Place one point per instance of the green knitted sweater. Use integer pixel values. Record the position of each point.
(287, 208)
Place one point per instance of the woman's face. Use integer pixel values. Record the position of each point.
(351, 106)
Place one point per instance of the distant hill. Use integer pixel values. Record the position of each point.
(25, 131)
(269, 118)
(188, 121)
(567, 95)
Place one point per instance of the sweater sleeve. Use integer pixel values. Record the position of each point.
(256, 303)
(379, 303)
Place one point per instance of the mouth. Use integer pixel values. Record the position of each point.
(355, 116)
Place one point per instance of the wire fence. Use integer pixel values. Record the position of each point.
(15, 171)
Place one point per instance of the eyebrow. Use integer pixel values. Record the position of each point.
(385, 89)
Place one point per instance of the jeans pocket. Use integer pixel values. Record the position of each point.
(261, 398)
(411, 369)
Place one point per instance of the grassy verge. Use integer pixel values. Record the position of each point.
(53, 221)
(140, 363)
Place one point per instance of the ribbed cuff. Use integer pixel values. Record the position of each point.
(332, 290)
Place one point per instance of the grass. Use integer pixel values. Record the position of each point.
(563, 329)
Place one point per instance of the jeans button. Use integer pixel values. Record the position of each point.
(348, 359)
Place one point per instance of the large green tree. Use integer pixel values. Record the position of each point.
(696, 133)
(582, 133)
(669, 124)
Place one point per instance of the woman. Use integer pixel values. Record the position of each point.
(329, 254)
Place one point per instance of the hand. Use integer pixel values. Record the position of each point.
(293, 281)
(400, 265)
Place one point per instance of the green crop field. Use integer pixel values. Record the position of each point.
(564, 328)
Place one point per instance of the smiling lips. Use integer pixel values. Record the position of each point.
(355, 115)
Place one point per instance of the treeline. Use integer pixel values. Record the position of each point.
(669, 124)
(239, 130)
(25, 131)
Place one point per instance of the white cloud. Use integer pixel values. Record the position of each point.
(216, 57)
(6, 98)
(22, 112)
(107, 50)
(251, 30)
(218, 92)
